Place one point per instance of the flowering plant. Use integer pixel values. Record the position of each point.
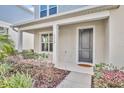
(108, 76)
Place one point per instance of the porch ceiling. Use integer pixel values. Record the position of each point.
(84, 15)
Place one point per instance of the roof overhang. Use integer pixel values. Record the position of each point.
(26, 9)
(80, 15)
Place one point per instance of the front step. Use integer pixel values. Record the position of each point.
(76, 68)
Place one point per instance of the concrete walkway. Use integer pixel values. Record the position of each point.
(76, 80)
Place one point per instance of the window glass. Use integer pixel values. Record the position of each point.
(44, 38)
(43, 10)
(52, 10)
(44, 46)
(43, 13)
(50, 37)
(51, 47)
(51, 6)
(43, 7)
(47, 42)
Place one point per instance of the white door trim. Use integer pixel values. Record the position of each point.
(77, 43)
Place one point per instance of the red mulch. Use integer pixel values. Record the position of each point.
(49, 78)
(44, 74)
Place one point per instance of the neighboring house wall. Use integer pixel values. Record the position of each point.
(13, 34)
(116, 33)
(10, 14)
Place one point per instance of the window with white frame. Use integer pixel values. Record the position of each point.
(47, 42)
(3, 30)
(43, 10)
(46, 10)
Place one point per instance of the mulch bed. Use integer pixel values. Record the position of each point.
(44, 75)
(49, 78)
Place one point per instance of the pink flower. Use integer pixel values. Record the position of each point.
(113, 76)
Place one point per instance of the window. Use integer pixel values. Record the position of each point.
(48, 10)
(47, 42)
(3, 30)
(52, 9)
(43, 10)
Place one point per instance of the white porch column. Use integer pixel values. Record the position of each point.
(20, 40)
(55, 43)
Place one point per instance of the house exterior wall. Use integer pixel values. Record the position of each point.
(65, 8)
(28, 41)
(36, 42)
(116, 23)
(107, 41)
(61, 9)
(67, 45)
(36, 11)
(37, 38)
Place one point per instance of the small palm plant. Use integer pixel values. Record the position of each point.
(6, 46)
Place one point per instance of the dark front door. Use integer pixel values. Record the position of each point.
(85, 45)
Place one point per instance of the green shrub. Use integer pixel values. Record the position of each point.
(6, 46)
(19, 80)
(4, 68)
(30, 54)
(27, 54)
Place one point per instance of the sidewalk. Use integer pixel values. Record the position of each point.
(76, 80)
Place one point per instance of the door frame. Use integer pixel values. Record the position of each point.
(77, 44)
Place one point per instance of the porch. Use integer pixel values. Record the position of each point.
(63, 48)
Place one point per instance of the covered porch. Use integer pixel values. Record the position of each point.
(58, 36)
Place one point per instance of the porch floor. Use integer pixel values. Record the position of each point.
(76, 80)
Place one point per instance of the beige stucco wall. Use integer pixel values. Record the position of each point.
(28, 41)
(117, 36)
(36, 42)
(67, 45)
(107, 41)
(37, 38)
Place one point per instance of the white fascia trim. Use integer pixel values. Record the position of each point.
(60, 14)
(84, 18)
